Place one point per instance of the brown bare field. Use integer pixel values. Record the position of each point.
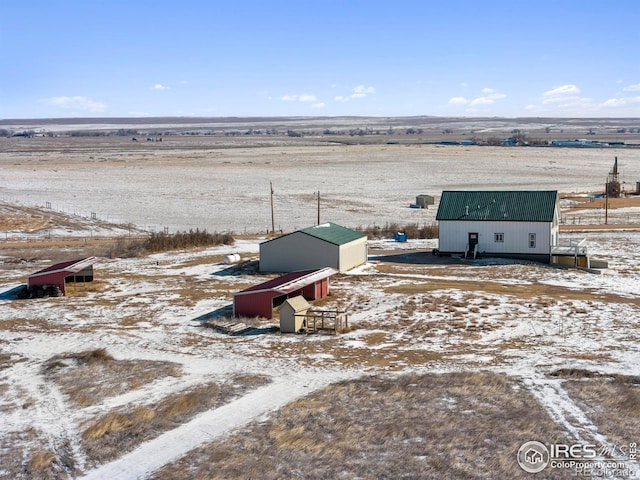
(612, 401)
(122, 430)
(87, 378)
(411, 426)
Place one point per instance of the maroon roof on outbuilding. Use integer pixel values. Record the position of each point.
(260, 300)
(60, 273)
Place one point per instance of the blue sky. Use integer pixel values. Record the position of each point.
(117, 58)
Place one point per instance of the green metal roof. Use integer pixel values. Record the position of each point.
(504, 206)
(333, 233)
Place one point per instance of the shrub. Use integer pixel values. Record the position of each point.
(162, 242)
(413, 230)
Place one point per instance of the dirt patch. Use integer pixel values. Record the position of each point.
(523, 292)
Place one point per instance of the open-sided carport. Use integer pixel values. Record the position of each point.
(58, 275)
(260, 300)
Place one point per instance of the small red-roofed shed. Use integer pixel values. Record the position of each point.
(61, 273)
(260, 300)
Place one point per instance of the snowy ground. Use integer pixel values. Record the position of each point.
(220, 189)
(410, 311)
(524, 320)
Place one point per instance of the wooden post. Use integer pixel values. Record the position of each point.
(606, 204)
(273, 223)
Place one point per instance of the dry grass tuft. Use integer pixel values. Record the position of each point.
(162, 242)
(412, 230)
(412, 426)
(182, 405)
(612, 402)
(5, 361)
(91, 376)
(43, 464)
(117, 422)
(575, 373)
(91, 356)
(121, 431)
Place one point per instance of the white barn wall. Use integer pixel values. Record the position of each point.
(297, 251)
(454, 236)
(353, 254)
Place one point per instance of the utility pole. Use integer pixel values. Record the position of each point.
(273, 222)
(606, 203)
(318, 208)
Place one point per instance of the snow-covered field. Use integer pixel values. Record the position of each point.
(174, 185)
(409, 311)
(523, 320)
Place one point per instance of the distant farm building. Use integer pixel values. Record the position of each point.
(423, 201)
(57, 276)
(512, 224)
(260, 300)
(325, 245)
(578, 142)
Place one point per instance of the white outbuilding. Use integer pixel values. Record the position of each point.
(511, 224)
(324, 245)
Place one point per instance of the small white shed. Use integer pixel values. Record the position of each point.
(291, 311)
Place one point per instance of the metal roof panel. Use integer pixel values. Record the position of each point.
(291, 281)
(333, 233)
(498, 205)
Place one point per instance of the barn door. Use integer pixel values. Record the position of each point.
(473, 240)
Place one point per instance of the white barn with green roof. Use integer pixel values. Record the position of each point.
(324, 245)
(512, 224)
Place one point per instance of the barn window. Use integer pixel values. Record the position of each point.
(498, 237)
(532, 240)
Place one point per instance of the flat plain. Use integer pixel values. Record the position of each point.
(448, 367)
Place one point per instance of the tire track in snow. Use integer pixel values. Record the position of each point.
(213, 424)
(565, 412)
(50, 414)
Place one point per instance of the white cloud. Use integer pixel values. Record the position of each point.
(620, 102)
(464, 85)
(77, 103)
(318, 105)
(562, 91)
(305, 97)
(361, 91)
(489, 99)
(159, 87)
(458, 101)
(632, 88)
(481, 101)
